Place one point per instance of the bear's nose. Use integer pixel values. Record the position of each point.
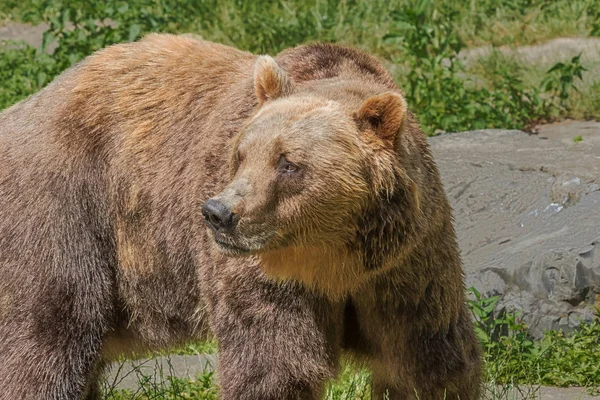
(218, 215)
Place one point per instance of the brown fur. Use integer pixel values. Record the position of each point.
(103, 247)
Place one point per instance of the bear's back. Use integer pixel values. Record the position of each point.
(115, 117)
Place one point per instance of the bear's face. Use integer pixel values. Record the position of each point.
(299, 177)
(304, 168)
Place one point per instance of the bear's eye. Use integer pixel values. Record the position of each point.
(239, 157)
(290, 168)
(286, 166)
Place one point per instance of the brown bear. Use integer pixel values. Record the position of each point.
(165, 189)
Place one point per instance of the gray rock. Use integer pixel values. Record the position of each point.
(535, 393)
(30, 34)
(545, 55)
(130, 374)
(527, 210)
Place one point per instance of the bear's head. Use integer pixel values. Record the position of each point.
(318, 190)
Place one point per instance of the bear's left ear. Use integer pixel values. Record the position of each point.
(384, 113)
(270, 80)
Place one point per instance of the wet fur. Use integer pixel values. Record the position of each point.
(103, 249)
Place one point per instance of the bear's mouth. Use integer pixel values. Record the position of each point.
(244, 243)
(231, 249)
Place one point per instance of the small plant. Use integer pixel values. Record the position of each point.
(508, 346)
(353, 384)
(560, 79)
(443, 96)
(160, 383)
(432, 84)
(577, 139)
(79, 28)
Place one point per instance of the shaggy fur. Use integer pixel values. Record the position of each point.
(343, 239)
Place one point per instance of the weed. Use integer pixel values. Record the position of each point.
(561, 78)
(23, 71)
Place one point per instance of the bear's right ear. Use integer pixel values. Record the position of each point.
(270, 80)
(384, 114)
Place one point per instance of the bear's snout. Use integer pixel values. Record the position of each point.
(218, 216)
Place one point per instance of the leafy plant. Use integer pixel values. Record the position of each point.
(561, 78)
(23, 71)
(436, 85)
(79, 27)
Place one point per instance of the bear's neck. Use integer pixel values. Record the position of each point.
(331, 271)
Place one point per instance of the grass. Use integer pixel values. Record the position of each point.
(513, 357)
(164, 386)
(419, 40)
(272, 26)
(352, 384)
(514, 363)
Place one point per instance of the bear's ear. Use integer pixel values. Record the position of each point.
(384, 113)
(270, 80)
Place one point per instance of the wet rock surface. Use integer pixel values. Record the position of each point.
(527, 211)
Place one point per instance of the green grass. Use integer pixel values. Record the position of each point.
(514, 362)
(352, 384)
(272, 26)
(201, 388)
(512, 356)
(419, 40)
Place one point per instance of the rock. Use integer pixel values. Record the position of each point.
(130, 374)
(30, 34)
(545, 55)
(536, 392)
(527, 211)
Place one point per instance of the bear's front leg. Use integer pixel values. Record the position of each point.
(435, 365)
(443, 365)
(51, 348)
(276, 341)
(416, 352)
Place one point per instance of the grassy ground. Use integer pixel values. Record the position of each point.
(514, 362)
(273, 26)
(419, 40)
